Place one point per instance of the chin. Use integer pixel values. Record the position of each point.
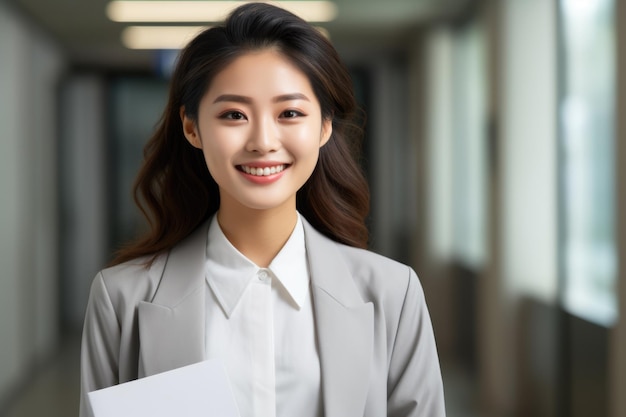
(266, 205)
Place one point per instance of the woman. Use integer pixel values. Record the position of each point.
(255, 255)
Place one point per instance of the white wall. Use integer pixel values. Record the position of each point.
(439, 143)
(456, 138)
(29, 69)
(523, 193)
(528, 147)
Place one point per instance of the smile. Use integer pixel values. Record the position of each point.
(262, 172)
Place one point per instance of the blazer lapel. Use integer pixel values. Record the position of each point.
(171, 327)
(345, 329)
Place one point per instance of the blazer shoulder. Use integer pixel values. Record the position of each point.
(373, 274)
(137, 280)
(132, 281)
(378, 276)
(364, 261)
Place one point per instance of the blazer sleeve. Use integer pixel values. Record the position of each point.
(100, 344)
(415, 387)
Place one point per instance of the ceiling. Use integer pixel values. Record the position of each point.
(89, 37)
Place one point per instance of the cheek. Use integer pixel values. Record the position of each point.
(306, 140)
(219, 142)
(217, 152)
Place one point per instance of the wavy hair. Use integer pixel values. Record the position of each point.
(174, 189)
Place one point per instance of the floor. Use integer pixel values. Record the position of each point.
(460, 391)
(54, 391)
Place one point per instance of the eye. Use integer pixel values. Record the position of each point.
(233, 115)
(291, 114)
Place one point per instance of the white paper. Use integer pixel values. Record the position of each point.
(196, 390)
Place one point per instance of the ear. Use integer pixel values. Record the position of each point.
(327, 130)
(190, 129)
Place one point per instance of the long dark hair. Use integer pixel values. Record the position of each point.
(174, 189)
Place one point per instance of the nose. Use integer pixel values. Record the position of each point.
(263, 137)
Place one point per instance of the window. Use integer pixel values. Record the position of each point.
(586, 158)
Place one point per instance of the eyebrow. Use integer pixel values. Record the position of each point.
(290, 97)
(248, 100)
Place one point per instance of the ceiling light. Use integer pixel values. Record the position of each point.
(208, 11)
(159, 37)
(167, 37)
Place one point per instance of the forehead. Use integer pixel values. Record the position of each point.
(260, 74)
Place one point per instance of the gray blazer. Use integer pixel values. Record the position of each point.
(377, 350)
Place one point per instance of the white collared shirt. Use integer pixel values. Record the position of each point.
(260, 324)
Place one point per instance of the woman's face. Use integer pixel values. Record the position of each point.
(260, 128)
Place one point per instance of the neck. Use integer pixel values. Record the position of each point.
(258, 234)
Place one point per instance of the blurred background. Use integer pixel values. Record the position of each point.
(494, 149)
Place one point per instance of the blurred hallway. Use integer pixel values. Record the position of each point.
(496, 159)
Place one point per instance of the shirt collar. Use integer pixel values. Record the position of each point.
(229, 272)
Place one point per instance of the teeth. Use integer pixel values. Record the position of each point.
(262, 172)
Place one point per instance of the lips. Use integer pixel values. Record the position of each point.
(262, 171)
